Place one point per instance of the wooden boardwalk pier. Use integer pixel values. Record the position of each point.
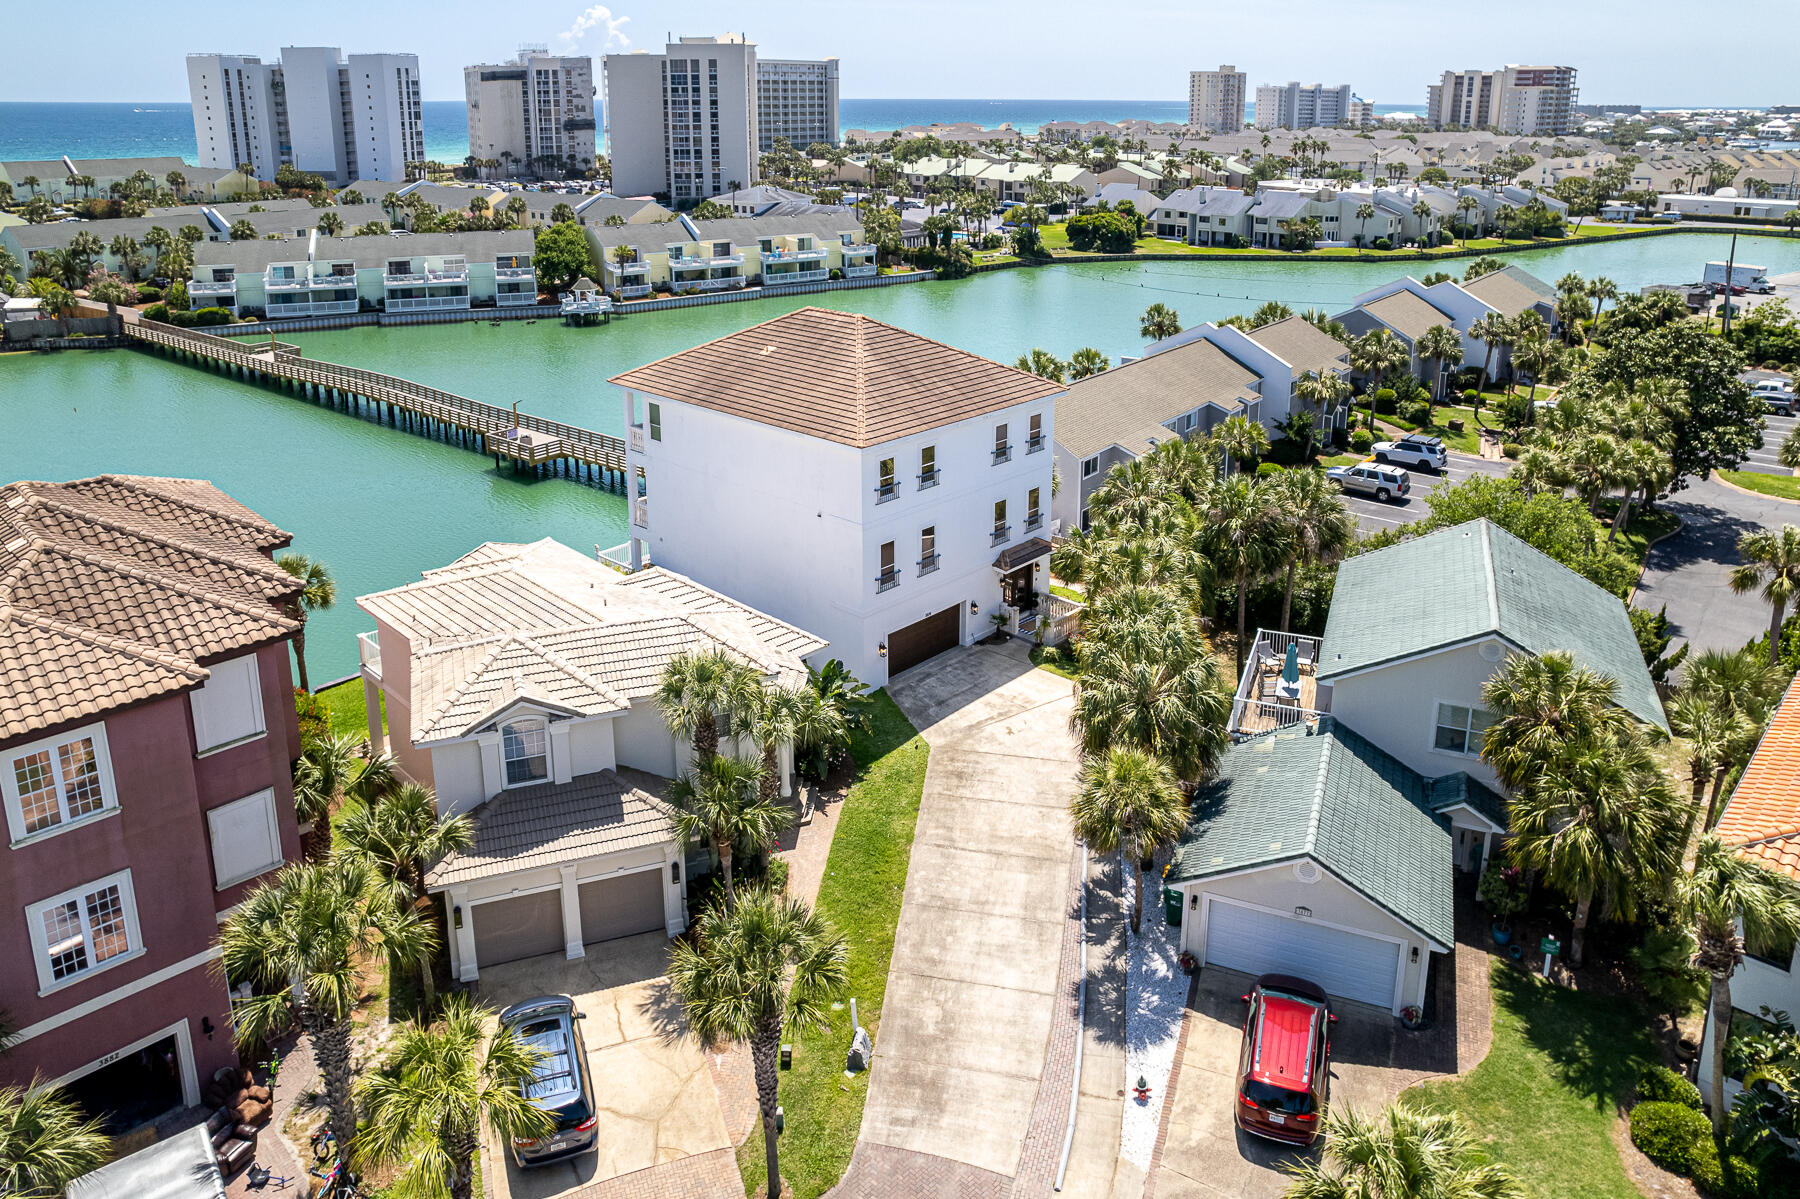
(545, 447)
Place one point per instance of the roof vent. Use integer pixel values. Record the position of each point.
(1491, 651)
(1307, 871)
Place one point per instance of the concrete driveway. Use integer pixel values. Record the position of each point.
(973, 989)
(653, 1090)
(1205, 1154)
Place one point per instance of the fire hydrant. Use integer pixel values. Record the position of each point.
(1141, 1092)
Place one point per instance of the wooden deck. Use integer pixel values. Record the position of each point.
(545, 446)
(1266, 709)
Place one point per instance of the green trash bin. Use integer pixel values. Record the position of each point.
(1172, 906)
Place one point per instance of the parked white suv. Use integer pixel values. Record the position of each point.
(1425, 453)
(1365, 478)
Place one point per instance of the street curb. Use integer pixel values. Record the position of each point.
(1761, 495)
(1680, 526)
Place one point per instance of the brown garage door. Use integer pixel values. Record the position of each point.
(619, 907)
(521, 927)
(925, 639)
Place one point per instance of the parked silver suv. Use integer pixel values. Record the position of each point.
(1366, 478)
(1420, 453)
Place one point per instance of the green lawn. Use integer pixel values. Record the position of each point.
(1068, 593)
(865, 878)
(1341, 460)
(1545, 1098)
(1056, 240)
(349, 712)
(1467, 442)
(1055, 660)
(1785, 487)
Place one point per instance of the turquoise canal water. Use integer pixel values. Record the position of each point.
(380, 506)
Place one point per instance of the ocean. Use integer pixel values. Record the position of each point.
(155, 130)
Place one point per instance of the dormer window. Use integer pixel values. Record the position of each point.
(525, 751)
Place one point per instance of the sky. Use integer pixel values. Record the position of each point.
(1659, 53)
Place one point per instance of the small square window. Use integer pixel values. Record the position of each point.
(1461, 730)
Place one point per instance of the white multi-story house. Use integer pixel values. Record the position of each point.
(888, 491)
(1216, 99)
(535, 109)
(343, 119)
(332, 276)
(519, 684)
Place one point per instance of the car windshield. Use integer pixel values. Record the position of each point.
(1278, 1099)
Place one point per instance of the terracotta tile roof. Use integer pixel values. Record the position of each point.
(554, 823)
(841, 376)
(544, 623)
(118, 589)
(1763, 814)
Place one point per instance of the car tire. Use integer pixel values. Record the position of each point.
(1382, 494)
(1381, 457)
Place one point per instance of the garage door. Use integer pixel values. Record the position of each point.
(1344, 963)
(925, 639)
(521, 927)
(619, 907)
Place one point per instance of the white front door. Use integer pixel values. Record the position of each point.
(1344, 963)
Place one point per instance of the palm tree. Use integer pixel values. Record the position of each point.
(516, 209)
(1155, 687)
(1364, 212)
(46, 1141)
(1541, 706)
(330, 224)
(1159, 321)
(1320, 530)
(1129, 803)
(31, 181)
(1771, 562)
(1732, 904)
(1712, 732)
(1789, 453)
(1464, 207)
(1406, 1154)
(1085, 362)
(301, 939)
(1245, 538)
(426, 1100)
(1372, 356)
(749, 974)
(123, 248)
(1745, 687)
(400, 835)
(720, 802)
(770, 720)
(1534, 356)
(1491, 332)
(1442, 347)
(1600, 289)
(697, 689)
(1043, 364)
(330, 773)
(318, 592)
(1324, 391)
(1241, 439)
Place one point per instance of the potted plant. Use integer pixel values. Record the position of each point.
(1187, 962)
(1502, 892)
(1412, 1016)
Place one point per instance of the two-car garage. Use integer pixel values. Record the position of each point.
(524, 926)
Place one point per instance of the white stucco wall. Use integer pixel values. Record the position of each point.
(641, 740)
(591, 746)
(1754, 985)
(1396, 706)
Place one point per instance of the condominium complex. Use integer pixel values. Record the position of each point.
(691, 122)
(343, 119)
(1216, 99)
(1514, 99)
(1302, 106)
(535, 113)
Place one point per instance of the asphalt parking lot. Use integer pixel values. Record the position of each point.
(1373, 516)
(1763, 459)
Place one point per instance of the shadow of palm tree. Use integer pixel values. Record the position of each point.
(1598, 1044)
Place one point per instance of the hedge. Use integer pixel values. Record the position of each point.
(1680, 1139)
(1659, 1084)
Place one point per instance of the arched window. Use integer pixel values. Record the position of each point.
(525, 749)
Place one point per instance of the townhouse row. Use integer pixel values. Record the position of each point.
(1426, 215)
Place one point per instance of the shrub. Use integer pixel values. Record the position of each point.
(1413, 412)
(1382, 243)
(836, 274)
(148, 294)
(1265, 469)
(315, 717)
(157, 312)
(776, 875)
(1512, 449)
(1361, 440)
(1384, 401)
(1677, 1138)
(992, 241)
(212, 316)
(1659, 1084)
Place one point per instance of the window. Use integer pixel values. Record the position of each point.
(228, 707)
(1035, 442)
(58, 782)
(246, 841)
(656, 422)
(1091, 466)
(928, 555)
(928, 469)
(1000, 529)
(525, 751)
(887, 489)
(1002, 447)
(83, 929)
(888, 577)
(1461, 730)
(1033, 517)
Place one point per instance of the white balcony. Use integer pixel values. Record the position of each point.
(212, 287)
(688, 264)
(426, 303)
(794, 255)
(276, 312)
(285, 283)
(515, 272)
(634, 290)
(637, 438)
(626, 268)
(368, 647)
(860, 272)
(329, 281)
(640, 514)
(415, 279)
(709, 284)
(510, 299)
(459, 275)
(773, 278)
(859, 251)
(1265, 698)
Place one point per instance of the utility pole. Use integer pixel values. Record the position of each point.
(1730, 261)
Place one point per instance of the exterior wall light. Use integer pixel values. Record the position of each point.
(675, 873)
(974, 608)
(881, 650)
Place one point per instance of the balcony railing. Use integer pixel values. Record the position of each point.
(928, 563)
(1036, 442)
(628, 268)
(515, 272)
(777, 277)
(637, 438)
(887, 580)
(1003, 453)
(414, 278)
(684, 264)
(507, 299)
(425, 303)
(640, 513)
(635, 290)
(368, 648)
(311, 308)
(1264, 699)
(857, 251)
(859, 272)
(1034, 522)
(928, 478)
(280, 283)
(1001, 533)
(460, 275)
(794, 255)
(719, 284)
(212, 287)
(886, 491)
(334, 280)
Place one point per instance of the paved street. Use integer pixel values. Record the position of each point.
(1373, 516)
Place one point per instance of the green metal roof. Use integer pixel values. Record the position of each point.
(1330, 795)
(1475, 580)
(1459, 788)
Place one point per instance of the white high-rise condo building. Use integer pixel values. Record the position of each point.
(534, 114)
(691, 122)
(1514, 99)
(314, 110)
(797, 100)
(1302, 106)
(1216, 99)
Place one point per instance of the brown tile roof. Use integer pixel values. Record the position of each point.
(526, 827)
(118, 589)
(1406, 314)
(1300, 344)
(841, 376)
(1763, 815)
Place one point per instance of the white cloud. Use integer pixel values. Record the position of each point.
(598, 17)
